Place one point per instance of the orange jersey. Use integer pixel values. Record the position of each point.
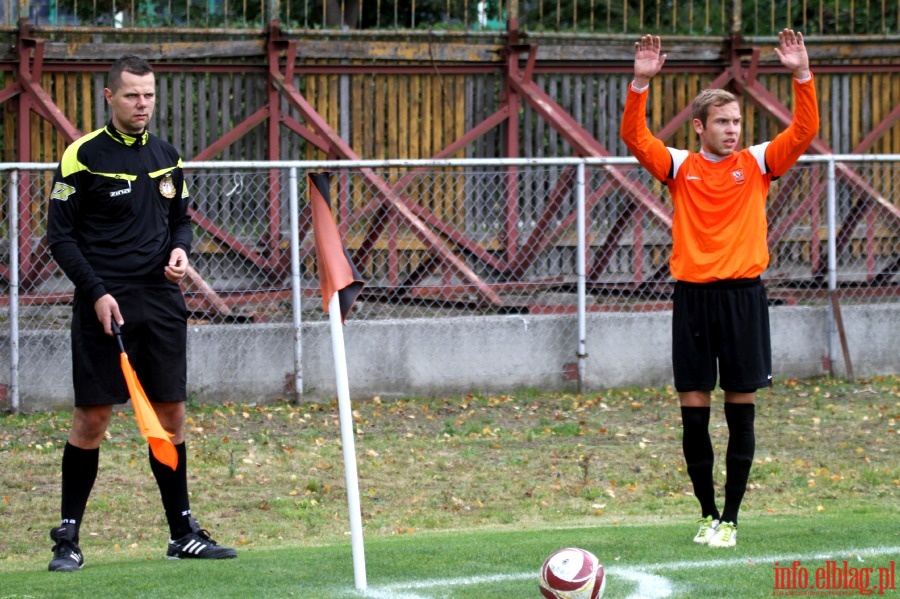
(719, 227)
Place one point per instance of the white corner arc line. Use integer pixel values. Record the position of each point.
(650, 586)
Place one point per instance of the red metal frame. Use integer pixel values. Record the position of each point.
(870, 199)
(392, 208)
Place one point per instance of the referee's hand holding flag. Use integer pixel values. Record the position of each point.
(160, 440)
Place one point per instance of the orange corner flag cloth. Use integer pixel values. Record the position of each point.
(337, 274)
(159, 439)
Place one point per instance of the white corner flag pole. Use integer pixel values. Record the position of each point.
(346, 416)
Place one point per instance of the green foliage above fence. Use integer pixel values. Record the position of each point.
(682, 17)
(716, 18)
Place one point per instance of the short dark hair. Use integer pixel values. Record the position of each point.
(130, 64)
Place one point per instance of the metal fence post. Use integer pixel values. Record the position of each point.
(295, 283)
(831, 224)
(580, 268)
(14, 290)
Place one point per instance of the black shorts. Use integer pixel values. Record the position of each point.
(154, 334)
(721, 330)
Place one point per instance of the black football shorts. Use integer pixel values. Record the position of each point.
(154, 334)
(720, 331)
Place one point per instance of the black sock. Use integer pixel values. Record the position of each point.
(174, 492)
(698, 454)
(738, 457)
(79, 472)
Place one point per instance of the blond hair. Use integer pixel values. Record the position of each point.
(707, 99)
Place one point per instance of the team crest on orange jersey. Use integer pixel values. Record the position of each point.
(167, 187)
(738, 176)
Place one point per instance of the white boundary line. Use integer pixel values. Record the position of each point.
(649, 585)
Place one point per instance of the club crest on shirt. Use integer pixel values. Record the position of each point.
(167, 187)
(738, 176)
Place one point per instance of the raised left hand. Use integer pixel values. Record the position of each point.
(792, 52)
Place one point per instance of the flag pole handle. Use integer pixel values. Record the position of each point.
(118, 333)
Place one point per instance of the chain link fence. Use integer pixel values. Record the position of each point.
(458, 238)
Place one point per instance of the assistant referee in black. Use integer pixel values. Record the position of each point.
(118, 227)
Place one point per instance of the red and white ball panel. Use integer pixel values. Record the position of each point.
(572, 573)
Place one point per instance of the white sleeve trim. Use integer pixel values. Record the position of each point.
(759, 152)
(678, 158)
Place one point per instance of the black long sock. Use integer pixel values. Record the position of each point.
(79, 472)
(698, 454)
(738, 456)
(174, 492)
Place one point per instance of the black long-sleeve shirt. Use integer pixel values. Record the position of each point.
(119, 206)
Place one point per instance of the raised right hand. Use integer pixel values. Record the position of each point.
(647, 59)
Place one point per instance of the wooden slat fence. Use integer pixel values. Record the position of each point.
(415, 115)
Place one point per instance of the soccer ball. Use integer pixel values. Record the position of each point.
(572, 573)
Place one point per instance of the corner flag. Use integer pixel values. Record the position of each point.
(341, 285)
(337, 274)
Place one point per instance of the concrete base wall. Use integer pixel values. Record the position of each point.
(254, 363)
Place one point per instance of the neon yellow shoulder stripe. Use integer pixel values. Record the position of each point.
(124, 176)
(163, 171)
(69, 163)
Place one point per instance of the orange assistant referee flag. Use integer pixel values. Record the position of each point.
(159, 439)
